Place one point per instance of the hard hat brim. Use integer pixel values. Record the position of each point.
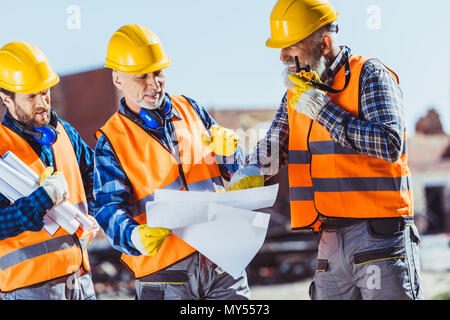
(280, 44)
(160, 65)
(51, 82)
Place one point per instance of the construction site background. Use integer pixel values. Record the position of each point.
(283, 268)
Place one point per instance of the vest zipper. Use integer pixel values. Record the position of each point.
(310, 171)
(75, 237)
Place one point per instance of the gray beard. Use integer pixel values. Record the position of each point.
(157, 105)
(320, 66)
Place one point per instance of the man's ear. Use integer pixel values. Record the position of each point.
(325, 46)
(117, 79)
(7, 100)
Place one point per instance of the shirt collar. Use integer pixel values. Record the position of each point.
(338, 62)
(8, 121)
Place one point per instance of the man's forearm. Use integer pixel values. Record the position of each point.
(271, 153)
(118, 227)
(25, 214)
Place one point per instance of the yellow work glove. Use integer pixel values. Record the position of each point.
(149, 240)
(307, 99)
(246, 178)
(47, 173)
(55, 185)
(222, 141)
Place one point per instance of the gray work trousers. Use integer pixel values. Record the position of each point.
(72, 287)
(367, 261)
(193, 278)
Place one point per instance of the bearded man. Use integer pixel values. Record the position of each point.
(340, 129)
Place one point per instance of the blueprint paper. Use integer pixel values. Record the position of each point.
(14, 162)
(49, 225)
(9, 192)
(17, 180)
(250, 199)
(221, 226)
(230, 238)
(173, 215)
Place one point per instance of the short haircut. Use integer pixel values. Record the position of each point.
(10, 94)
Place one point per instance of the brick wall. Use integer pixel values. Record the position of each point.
(86, 100)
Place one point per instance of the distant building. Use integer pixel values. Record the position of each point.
(429, 162)
(86, 100)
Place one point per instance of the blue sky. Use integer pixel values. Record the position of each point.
(217, 47)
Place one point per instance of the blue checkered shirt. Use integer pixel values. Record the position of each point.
(27, 213)
(378, 132)
(112, 188)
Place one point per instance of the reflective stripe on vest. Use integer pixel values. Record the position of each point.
(149, 166)
(328, 179)
(35, 257)
(39, 249)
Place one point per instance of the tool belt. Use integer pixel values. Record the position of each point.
(381, 226)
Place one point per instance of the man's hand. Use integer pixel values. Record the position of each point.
(307, 99)
(149, 240)
(246, 178)
(55, 185)
(95, 226)
(222, 141)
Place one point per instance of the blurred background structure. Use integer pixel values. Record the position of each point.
(219, 59)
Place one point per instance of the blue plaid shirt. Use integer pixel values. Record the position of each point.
(378, 132)
(112, 188)
(27, 213)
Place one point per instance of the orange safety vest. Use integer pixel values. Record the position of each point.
(35, 257)
(150, 166)
(330, 180)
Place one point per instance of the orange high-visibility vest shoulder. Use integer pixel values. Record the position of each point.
(330, 180)
(149, 166)
(36, 257)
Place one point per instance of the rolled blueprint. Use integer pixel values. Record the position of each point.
(18, 180)
(14, 162)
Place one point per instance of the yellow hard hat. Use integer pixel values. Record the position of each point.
(136, 50)
(25, 69)
(292, 21)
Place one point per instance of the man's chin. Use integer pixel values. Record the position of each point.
(41, 123)
(149, 105)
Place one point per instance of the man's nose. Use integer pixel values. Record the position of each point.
(152, 81)
(284, 56)
(41, 101)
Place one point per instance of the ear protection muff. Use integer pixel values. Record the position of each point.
(46, 135)
(153, 118)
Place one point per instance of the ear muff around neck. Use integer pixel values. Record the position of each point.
(151, 118)
(46, 135)
(155, 118)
